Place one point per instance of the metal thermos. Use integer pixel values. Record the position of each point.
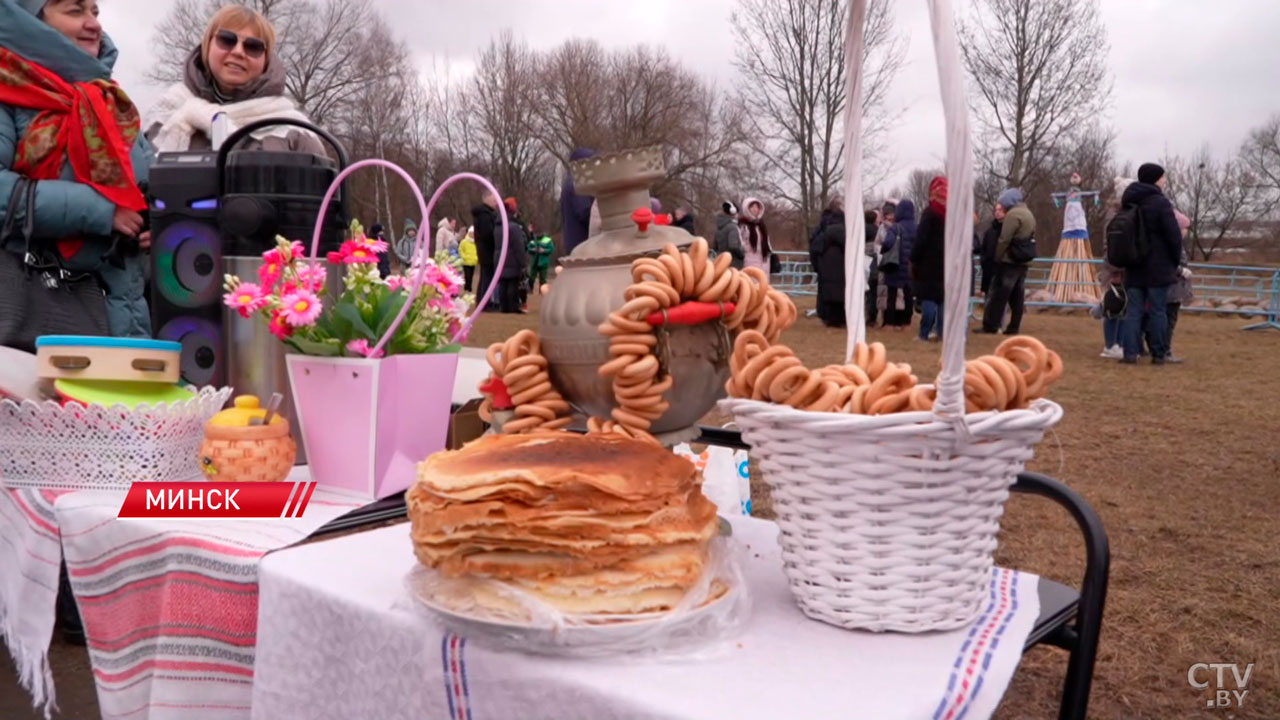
(255, 358)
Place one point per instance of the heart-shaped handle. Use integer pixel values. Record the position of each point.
(425, 207)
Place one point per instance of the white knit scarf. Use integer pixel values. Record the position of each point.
(181, 115)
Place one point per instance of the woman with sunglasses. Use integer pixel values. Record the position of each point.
(69, 129)
(233, 71)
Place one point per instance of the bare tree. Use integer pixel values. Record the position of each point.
(1040, 68)
(1220, 198)
(791, 54)
(1260, 155)
(501, 97)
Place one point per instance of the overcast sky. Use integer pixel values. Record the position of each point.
(1187, 72)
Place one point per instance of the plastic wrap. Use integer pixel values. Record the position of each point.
(709, 615)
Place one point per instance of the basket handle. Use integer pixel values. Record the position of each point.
(415, 279)
(959, 219)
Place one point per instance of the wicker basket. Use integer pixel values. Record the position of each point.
(889, 523)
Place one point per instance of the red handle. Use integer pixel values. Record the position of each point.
(501, 397)
(691, 312)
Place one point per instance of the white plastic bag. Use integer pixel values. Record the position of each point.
(726, 480)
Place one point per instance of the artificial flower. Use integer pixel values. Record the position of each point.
(334, 258)
(361, 347)
(301, 307)
(278, 326)
(371, 243)
(353, 251)
(270, 272)
(246, 298)
(313, 276)
(396, 283)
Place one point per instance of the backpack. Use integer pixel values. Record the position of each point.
(1022, 251)
(1115, 301)
(1127, 244)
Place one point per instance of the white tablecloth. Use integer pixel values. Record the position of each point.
(337, 640)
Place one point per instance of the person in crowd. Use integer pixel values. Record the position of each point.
(65, 125)
(882, 290)
(1007, 289)
(986, 249)
(404, 246)
(540, 252)
(1111, 279)
(927, 265)
(684, 219)
(513, 277)
(377, 232)
(895, 256)
(826, 254)
(575, 209)
(447, 236)
(727, 238)
(1147, 283)
(526, 234)
(470, 258)
(233, 71)
(487, 225)
(754, 235)
(871, 222)
(1180, 292)
(817, 244)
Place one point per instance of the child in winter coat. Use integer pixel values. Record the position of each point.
(470, 258)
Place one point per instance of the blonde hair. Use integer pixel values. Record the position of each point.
(233, 17)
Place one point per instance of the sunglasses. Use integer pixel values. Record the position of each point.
(253, 47)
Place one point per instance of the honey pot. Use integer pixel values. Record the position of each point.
(247, 443)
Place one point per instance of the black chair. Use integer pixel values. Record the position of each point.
(1069, 619)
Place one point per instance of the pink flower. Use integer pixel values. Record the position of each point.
(312, 276)
(300, 307)
(247, 299)
(334, 258)
(361, 347)
(278, 327)
(371, 243)
(269, 274)
(395, 283)
(441, 304)
(353, 251)
(296, 250)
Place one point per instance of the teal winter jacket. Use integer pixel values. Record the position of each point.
(66, 208)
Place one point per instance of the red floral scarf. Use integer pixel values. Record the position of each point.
(92, 124)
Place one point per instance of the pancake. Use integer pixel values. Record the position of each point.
(534, 464)
(596, 524)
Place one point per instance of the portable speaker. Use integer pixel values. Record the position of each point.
(186, 262)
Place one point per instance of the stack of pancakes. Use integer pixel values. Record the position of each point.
(589, 524)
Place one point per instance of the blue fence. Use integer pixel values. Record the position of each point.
(1246, 290)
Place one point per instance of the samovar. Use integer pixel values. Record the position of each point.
(591, 286)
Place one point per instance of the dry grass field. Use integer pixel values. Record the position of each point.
(1181, 462)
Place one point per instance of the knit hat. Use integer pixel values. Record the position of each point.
(1010, 198)
(511, 204)
(1150, 173)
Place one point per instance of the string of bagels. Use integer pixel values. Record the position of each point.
(687, 285)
